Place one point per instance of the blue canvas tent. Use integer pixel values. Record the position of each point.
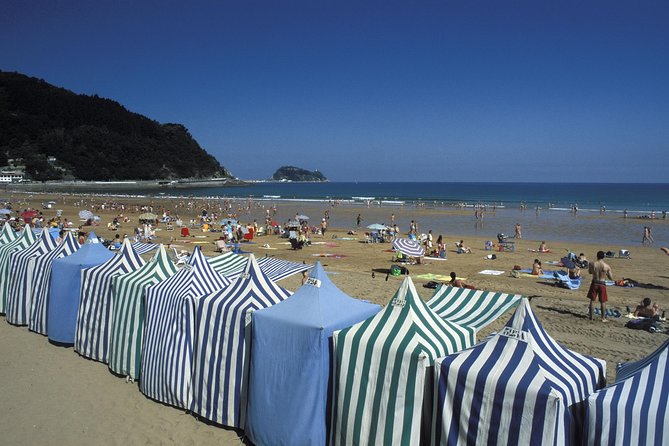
(41, 268)
(169, 331)
(634, 409)
(19, 289)
(220, 381)
(517, 387)
(91, 338)
(290, 361)
(65, 290)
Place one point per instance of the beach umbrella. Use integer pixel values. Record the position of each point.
(408, 247)
(30, 213)
(377, 227)
(5, 211)
(85, 214)
(148, 216)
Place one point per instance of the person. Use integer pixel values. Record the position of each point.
(428, 241)
(574, 273)
(518, 231)
(537, 270)
(441, 247)
(543, 247)
(600, 271)
(665, 250)
(581, 261)
(645, 309)
(304, 277)
(459, 283)
(462, 248)
(358, 220)
(324, 226)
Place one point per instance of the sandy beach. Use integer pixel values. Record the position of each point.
(54, 396)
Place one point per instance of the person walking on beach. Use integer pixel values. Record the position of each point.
(600, 271)
(518, 231)
(358, 220)
(647, 236)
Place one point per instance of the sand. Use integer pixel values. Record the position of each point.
(54, 396)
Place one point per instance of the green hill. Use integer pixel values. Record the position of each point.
(58, 134)
(291, 173)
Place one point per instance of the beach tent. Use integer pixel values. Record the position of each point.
(633, 410)
(127, 325)
(19, 290)
(231, 265)
(91, 337)
(383, 371)
(169, 331)
(8, 234)
(40, 271)
(220, 376)
(65, 289)
(290, 361)
(471, 308)
(517, 387)
(144, 248)
(22, 242)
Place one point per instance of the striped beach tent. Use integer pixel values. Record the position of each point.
(23, 241)
(19, 289)
(290, 367)
(221, 360)
(65, 289)
(633, 410)
(144, 248)
(517, 387)
(40, 270)
(127, 325)
(382, 371)
(8, 234)
(169, 331)
(471, 308)
(91, 337)
(231, 265)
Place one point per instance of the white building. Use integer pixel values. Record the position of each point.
(11, 177)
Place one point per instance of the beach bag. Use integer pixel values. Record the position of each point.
(515, 273)
(395, 270)
(431, 284)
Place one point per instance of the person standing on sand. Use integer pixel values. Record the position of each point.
(518, 231)
(358, 220)
(600, 273)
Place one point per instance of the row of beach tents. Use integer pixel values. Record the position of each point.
(221, 339)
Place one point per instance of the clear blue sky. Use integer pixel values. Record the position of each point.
(414, 90)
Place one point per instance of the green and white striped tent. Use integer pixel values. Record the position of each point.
(383, 371)
(127, 324)
(23, 241)
(8, 234)
(471, 308)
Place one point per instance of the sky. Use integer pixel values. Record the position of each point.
(566, 91)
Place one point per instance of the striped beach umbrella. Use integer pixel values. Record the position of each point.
(127, 326)
(91, 338)
(144, 248)
(20, 290)
(22, 242)
(169, 331)
(231, 265)
(40, 269)
(471, 308)
(7, 234)
(633, 410)
(220, 378)
(289, 400)
(408, 247)
(381, 371)
(518, 387)
(65, 290)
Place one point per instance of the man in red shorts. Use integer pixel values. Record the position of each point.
(600, 273)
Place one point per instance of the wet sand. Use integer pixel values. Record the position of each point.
(53, 396)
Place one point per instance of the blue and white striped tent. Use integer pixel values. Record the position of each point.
(382, 371)
(231, 265)
(169, 331)
(22, 242)
(20, 290)
(40, 268)
(220, 379)
(8, 234)
(471, 308)
(290, 361)
(91, 338)
(65, 290)
(144, 248)
(517, 387)
(633, 410)
(127, 326)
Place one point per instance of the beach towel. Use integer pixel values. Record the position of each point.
(548, 274)
(491, 272)
(541, 252)
(437, 277)
(330, 255)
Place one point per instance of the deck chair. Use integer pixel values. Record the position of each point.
(562, 279)
(180, 258)
(185, 232)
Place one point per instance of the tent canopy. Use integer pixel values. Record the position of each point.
(290, 361)
(22, 242)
